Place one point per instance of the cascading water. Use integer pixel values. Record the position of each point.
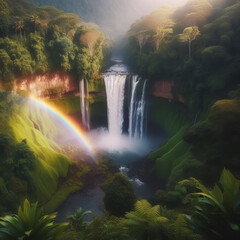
(119, 140)
(137, 109)
(84, 103)
(115, 86)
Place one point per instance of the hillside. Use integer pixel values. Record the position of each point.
(158, 47)
(196, 47)
(38, 40)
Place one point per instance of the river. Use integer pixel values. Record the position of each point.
(125, 141)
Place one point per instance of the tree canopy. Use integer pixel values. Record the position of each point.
(43, 39)
(121, 201)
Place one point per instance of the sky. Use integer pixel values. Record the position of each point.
(120, 21)
(113, 16)
(173, 3)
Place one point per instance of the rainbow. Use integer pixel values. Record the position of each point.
(68, 122)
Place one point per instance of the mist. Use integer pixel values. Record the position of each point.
(114, 17)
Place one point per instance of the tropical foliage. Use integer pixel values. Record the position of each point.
(44, 39)
(147, 222)
(216, 211)
(77, 220)
(197, 67)
(195, 48)
(121, 201)
(29, 223)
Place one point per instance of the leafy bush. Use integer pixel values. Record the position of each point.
(107, 228)
(121, 201)
(147, 222)
(215, 212)
(38, 40)
(23, 160)
(30, 224)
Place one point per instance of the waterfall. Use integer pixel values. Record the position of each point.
(137, 109)
(115, 88)
(132, 108)
(84, 103)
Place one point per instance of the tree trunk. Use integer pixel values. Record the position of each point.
(140, 49)
(189, 48)
(20, 34)
(157, 44)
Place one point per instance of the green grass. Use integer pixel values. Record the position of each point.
(171, 159)
(60, 196)
(72, 184)
(175, 120)
(25, 121)
(172, 142)
(170, 116)
(176, 174)
(50, 165)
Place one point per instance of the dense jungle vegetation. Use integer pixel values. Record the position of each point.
(37, 41)
(44, 39)
(195, 46)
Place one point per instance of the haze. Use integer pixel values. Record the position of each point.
(113, 16)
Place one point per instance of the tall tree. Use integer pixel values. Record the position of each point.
(142, 38)
(89, 39)
(35, 20)
(4, 18)
(19, 25)
(44, 23)
(162, 31)
(189, 34)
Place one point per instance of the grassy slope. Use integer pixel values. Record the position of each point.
(72, 184)
(54, 176)
(170, 116)
(50, 165)
(171, 155)
(174, 120)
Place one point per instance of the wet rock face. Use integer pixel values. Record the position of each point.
(47, 85)
(164, 89)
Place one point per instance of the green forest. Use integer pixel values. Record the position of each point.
(42, 39)
(194, 171)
